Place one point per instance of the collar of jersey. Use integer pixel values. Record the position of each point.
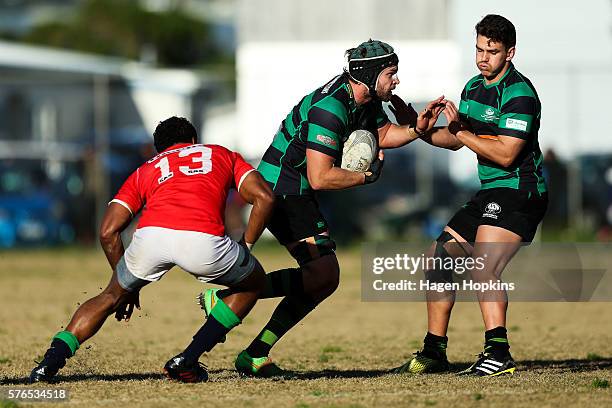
(510, 68)
(177, 146)
(351, 102)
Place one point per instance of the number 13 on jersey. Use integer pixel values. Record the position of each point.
(203, 157)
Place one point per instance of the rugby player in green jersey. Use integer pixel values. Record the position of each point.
(303, 158)
(498, 119)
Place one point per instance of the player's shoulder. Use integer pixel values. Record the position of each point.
(517, 84)
(473, 81)
(220, 152)
(334, 96)
(217, 148)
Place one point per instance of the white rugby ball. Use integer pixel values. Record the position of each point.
(359, 151)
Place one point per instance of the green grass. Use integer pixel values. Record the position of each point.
(600, 383)
(359, 342)
(594, 357)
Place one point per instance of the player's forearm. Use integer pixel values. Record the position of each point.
(116, 218)
(441, 137)
(492, 149)
(397, 136)
(112, 247)
(263, 206)
(335, 178)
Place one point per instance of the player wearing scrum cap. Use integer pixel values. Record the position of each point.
(301, 161)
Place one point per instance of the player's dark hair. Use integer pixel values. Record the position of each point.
(497, 29)
(172, 131)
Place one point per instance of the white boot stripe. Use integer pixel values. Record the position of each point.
(492, 367)
(484, 370)
(497, 363)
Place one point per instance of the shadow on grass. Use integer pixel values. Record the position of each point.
(90, 377)
(566, 365)
(570, 365)
(332, 373)
(291, 375)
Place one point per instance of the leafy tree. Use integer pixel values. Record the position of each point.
(123, 28)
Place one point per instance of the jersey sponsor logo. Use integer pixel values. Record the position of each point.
(516, 124)
(326, 140)
(491, 210)
(489, 115)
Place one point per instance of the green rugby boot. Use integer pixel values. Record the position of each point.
(257, 366)
(424, 364)
(207, 300)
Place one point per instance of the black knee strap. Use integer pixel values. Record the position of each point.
(440, 251)
(441, 274)
(305, 252)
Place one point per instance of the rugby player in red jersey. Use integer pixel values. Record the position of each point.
(181, 193)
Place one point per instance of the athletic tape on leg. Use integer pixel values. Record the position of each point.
(224, 315)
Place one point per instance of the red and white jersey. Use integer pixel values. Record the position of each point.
(184, 188)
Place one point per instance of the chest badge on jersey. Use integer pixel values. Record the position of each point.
(491, 210)
(489, 115)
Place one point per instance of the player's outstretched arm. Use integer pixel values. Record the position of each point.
(392, 136)
(322, 175)
(441, 137)
(254, 190)
(116, 219)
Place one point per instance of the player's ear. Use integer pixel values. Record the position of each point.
(510, 54)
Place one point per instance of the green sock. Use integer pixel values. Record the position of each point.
(287, 314)
(224, 315)
(70, 340)
(496, 342)
(63, 346)
(221, 320)
(435, 346)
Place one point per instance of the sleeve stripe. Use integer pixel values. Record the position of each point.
(328, 137)
(243, 177)
(326, 119)
(512, 133)
(123, 203)
(520, 104)
(335, 107)
(323, 149)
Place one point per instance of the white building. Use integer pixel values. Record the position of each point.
(288, 48)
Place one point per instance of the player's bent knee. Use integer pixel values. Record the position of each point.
(312, 248)
(324, 274)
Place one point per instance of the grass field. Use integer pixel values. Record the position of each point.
(341, 353)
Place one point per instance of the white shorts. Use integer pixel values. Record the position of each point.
(155, 250)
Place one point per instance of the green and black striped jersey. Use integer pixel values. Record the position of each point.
(321, 121)
(508, 107)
